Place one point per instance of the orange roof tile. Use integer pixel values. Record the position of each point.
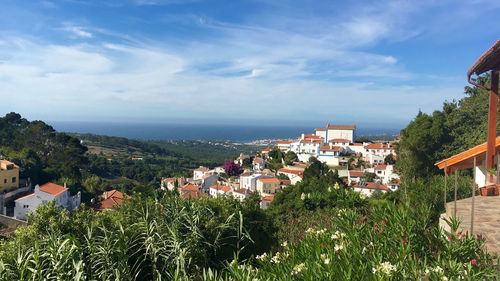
(379, 146)
(52, 188)
(381, 167)
(190, 187)
(356, 144)
(465, 159)
(290, 171)
(341, 127)
(372, 185)
(269, 180)
(356, 173)
(339, 140)
(268, 198)
(330, 147)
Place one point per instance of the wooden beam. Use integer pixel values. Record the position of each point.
(492, 121)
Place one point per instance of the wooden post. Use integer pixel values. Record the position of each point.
(445, 184)
(473, 195)
(456, 186)
(492, 121)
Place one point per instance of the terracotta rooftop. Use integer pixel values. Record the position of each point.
(356, 173)
(201, 169)
(4, 165)
(224, 188)
(241, 190)
(112, 199)
(268, 198)
(190, 187)
(372, 185)
(379, 146)
(330, 148)
(269, 180)
(341, 127)
(258, 160)
(339, 140)
(381, 167)
(290, 171)
(52, 188)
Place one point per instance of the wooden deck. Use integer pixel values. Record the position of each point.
(486, 218)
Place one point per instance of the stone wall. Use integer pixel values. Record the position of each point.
(11, 222)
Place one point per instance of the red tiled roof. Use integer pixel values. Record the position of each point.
(7, 163)
(113, 193)
(195, 195)
(290, 171)
(267, 149)
(339, 140)
(258, 160)
(269, 180)
(372, 185)
(379, 146)
(356, 173)
(224, 188)
(341, 127)
(52, 188)
(311, 140)
(241, 190)
(285, 182)
(190, 187)
(380, 167)
(330, 147)
(356, 144)
(268, 198)
(320, 129)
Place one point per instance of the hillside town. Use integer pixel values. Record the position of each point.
(364, 166)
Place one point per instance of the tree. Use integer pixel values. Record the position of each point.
(290, 156)
(368, 177)
(231, 168)
(389, 159)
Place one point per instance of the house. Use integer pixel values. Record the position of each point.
(330, 155)
(385, 173)
(249, 181)
(375, 153)
(208, 180)
(265, 201)
(339, 142)
(258, 164)
(194, 195)
(110, 200)
(266, 151)
(285, 146)
(394, 184)
(219, 170)
(240, 159)
(290, 172)
(188, 187)
(241, 194)
(368, 188)
(268, 185)
(44, 194)
(169, 183)
(9, 175)
(199, 173)
(354, 176)
(220, 190)
(337, 132)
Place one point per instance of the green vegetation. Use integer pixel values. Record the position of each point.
(459, 126)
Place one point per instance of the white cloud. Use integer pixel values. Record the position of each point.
(78, 31)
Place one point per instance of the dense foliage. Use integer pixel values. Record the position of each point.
(459, 126)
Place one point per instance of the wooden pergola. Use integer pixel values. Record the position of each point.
(489, 61)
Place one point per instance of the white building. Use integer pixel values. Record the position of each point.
(249, 181)
(44, 194)
(339, 142)
(241, 194)
(354, 176)
(375, 153)
(199, 173)
(330, 155)
(337, 132)
(368, 188)
(208, 180)
(258, 164)
(285, 146)
(265, 201)
(220, 190)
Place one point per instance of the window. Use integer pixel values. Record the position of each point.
(26, 206)
(5, 181)
(13, 179)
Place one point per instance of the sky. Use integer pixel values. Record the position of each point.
(370, 63)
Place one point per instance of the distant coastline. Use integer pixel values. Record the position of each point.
(239, 133)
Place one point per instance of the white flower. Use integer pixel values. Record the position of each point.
(323, 256)
(362, 195)
(309, 230)
(302, 196)
(326, 261)
(276, 258)
(298, 268)
(339, 247)
(364, 250)
(329, 189)
(309, 195)
(427, 271)
(386, 267)
(232, 262)
(284, 244)
(374, 270)
(444, 278)
(262, 257)
(438, 269)
(336, 186)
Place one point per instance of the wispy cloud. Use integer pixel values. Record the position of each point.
(77, 30)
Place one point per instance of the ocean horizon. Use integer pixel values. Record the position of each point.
(238, 133)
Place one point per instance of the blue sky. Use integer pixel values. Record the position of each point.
(372, 63)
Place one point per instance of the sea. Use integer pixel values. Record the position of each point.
(237, 133)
